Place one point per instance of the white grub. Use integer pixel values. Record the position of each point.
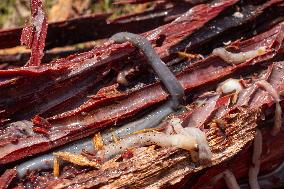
(230, 86)
(121, 79)
(122, 75)
(254, 168)
(146, 139)
(229, 178)
(238, 15)
(204, 152)
(236, 58)
(278, 111)
(227, 42)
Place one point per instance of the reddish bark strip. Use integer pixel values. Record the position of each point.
(34, 36)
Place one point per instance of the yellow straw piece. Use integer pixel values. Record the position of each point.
(56, 167)
(98, 141)
(189, 56)
(146, 130)
(76, 159)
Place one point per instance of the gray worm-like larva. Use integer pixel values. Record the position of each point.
(164, 73)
